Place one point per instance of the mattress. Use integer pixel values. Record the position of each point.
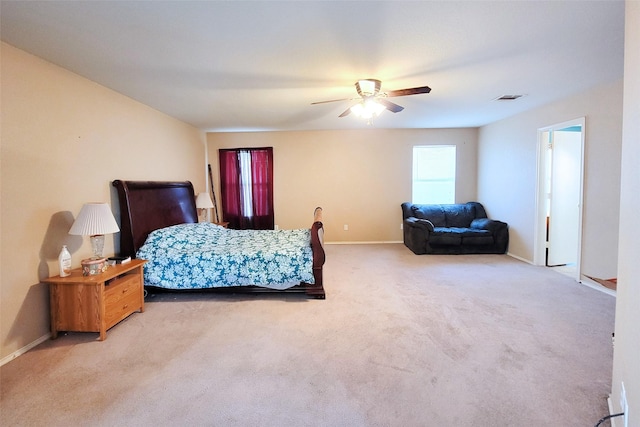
(205, 255)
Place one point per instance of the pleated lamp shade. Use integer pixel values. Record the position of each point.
(95, 220)
(203, 201)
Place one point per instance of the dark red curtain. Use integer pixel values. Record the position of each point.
(229, 187)
(256, 212)
(262, 188)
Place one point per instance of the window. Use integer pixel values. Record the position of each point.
(434, 174)
(246, 184)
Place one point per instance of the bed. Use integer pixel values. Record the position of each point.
(158, 219)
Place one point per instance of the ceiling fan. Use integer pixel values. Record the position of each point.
(373, 101)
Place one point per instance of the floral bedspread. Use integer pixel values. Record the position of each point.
(205, 255)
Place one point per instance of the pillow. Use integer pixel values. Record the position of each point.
(459, 215)
(433, 213)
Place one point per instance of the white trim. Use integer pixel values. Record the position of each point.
(520, 258)
(584, 280)
(24, 349)
(539, 244)
(539, 229)
(614, 421)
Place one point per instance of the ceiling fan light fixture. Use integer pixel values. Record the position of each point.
(373, 101)
(367, 109)
(368, 87)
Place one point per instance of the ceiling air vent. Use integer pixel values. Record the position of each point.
(508, 97)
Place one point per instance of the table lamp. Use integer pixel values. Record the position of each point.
(95, 220)
(203, 202)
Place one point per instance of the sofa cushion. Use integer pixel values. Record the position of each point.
(459, 235)
(458, 215)
(444, 236)
(433, 213)
(472, 236)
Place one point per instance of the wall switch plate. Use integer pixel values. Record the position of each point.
(346, 227)
(400, 226)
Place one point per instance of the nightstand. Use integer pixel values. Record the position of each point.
(96, 303)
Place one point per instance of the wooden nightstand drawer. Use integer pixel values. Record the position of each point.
(117, 310)
(122, 297)
(121, 288)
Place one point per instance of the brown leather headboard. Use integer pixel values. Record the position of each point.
(150, 205)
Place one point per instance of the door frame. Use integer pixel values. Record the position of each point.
(540, 227)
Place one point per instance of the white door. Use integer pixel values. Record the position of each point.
(565, 197)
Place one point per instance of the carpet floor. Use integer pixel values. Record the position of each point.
(401, 340)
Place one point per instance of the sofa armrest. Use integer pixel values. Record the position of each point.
(416, 233)
(488, 224)
(424, 224)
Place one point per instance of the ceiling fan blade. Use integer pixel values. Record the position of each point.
(410, 91)
(394, 108)
(332, 100)
(346, 112)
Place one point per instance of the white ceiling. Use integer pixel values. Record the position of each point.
(240, 65)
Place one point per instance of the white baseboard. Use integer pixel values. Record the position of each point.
(584, 280)
(24, 349)
(597, 286)
(613, 420)
(616, 421)
(519, 258)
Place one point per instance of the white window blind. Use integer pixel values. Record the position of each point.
(434, 174)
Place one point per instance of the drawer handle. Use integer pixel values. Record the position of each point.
(125, 290)
(124, 307)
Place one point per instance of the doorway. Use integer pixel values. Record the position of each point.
(560, 194)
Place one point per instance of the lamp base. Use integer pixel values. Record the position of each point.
(97, 245)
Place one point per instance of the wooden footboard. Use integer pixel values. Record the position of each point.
(317, 246)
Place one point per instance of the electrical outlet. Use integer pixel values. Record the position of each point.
(346, 227)
(624, 405)
(276, 227)
(400, 226)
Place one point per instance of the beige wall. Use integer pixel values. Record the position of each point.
(359, 177)
(507, 165)
(64, 139)
(626, 363)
